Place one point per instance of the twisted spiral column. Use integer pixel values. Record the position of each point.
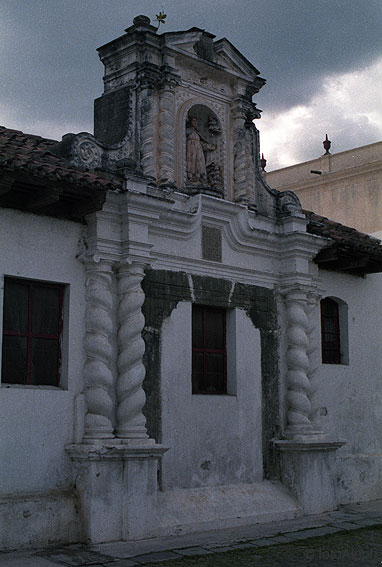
(250, 143)
(240, 165)
(131, 423)
(98, 378)
(314, 346)
(148, 110)
(298, 383)
(166, 135)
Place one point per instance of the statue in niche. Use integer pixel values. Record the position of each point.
(213, 126)
(195, 147)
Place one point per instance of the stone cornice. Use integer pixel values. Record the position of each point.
(227, 271)
(137, 226)
(301, 243)
(205, 92)
(245, 231)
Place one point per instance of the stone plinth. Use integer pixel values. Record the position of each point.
(117, 485)
(308, 471)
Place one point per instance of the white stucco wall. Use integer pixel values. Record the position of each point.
(351, 394)
(213, 440)
(37, 421)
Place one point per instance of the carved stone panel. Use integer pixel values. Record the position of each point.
(211, 244)
(204, 162)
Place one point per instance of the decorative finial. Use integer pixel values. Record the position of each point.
(142, 21)
(263, 163)
(326, 143)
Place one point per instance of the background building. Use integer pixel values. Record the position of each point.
(346, 186)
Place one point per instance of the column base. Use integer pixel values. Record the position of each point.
(117, 485)
(308, 471)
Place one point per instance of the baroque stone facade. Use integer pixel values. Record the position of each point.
(177, 118)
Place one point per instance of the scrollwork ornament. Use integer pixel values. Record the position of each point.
(89, 154)
(289, 203)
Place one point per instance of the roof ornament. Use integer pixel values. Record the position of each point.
(161, 18)
(141, 20)
(326, 143)
(263, 163)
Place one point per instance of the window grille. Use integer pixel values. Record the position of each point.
(32, 331)
(209, 353)
(330, 332)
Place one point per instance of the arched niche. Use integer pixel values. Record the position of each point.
(200, 150)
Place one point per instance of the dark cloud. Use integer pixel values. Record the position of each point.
(51, 72)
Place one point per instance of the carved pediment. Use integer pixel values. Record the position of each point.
(199, 45)
(229, 57)
(186, 40)
(190, 41)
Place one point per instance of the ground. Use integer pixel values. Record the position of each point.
(361, 548)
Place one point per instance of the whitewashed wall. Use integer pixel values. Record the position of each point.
(351, 394)
(37, 421)
(213, 440)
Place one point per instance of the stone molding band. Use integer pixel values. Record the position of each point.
(114, 452)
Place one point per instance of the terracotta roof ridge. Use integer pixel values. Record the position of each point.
(316, 218)
(4, 129)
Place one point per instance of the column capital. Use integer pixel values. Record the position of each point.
(244, 109)
(169, 79)
(132, 265)
(295, 292)
(97, 263)
(298, 291)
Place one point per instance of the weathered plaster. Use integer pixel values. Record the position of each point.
(164, 290)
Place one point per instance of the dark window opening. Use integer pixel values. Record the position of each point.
(209, 353)
(330, 332)
(32, 330)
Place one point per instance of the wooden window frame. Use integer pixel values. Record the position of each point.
(330, 354)
(30, 335)
(196, 389)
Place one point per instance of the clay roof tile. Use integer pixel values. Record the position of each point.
(30, 153)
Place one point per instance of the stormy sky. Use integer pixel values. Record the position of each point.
(322, 60)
